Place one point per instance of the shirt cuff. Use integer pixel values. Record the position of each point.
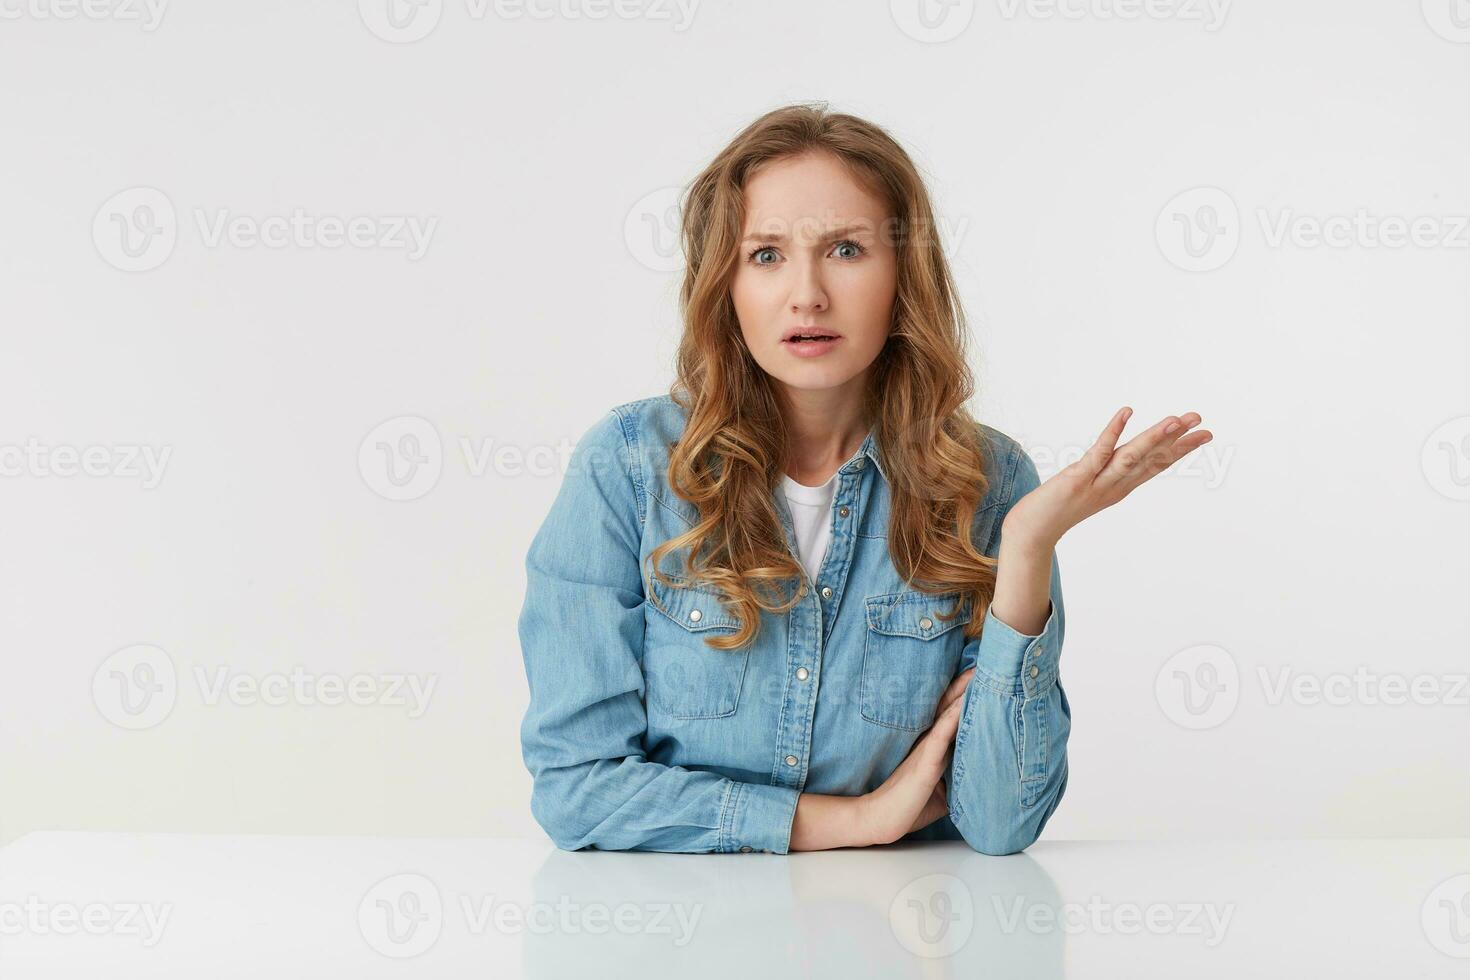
(758, 817)
(1018, 663)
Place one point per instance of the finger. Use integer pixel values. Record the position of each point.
(956, 688)
(1133, 461)
(1101, 450)
(937, 739)
(1186, 445)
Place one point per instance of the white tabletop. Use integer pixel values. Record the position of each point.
(170, 905)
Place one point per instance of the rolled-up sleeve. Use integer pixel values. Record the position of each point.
(581, 635)
(1010, 755)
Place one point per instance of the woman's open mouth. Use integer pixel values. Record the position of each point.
(811, 344)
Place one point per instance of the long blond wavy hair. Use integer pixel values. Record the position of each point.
(730, 455)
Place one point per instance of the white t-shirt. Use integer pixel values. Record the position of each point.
(811, 512)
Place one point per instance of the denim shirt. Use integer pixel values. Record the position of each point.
(638, 736)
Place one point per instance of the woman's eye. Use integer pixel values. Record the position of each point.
(755, 256)
(856, 249)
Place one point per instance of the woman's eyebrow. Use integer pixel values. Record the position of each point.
(834, 233)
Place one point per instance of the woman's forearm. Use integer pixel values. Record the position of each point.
(823, 822)
(1022, 584)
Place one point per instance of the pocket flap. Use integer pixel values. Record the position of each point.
(914, 614)
(696, 609)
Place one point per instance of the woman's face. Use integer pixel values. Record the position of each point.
(817, 257)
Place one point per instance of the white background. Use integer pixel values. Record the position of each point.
(1324, 531)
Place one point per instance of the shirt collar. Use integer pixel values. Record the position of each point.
(868, 449)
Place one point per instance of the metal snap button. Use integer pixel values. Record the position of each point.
(694, 615)
(1037, 651)
(925, 623)
(843, 511)
(826, 592)
(802, 673)
(744, 848)
(791, 760)
(860, 464)
(1035, 671)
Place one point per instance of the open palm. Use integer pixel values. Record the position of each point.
(1104, 475)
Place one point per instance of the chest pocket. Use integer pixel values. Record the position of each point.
(684, 677)
(910, 656)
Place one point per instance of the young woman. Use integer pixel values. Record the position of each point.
(805, 600)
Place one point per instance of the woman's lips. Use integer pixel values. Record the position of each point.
(811, 348)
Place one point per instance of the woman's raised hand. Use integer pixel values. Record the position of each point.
(1104, 475)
